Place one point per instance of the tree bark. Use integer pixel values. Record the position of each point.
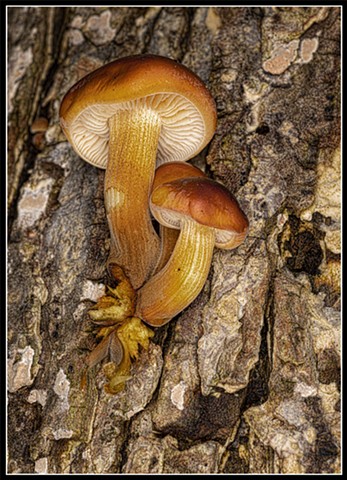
(246, 379)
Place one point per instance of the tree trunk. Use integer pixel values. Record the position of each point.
(245, 380)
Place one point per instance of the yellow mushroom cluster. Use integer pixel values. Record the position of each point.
(141, 118)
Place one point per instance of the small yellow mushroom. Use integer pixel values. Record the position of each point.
(207, 215)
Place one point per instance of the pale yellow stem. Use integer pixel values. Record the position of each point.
(172, 289)
(129, 176)
(168, 239)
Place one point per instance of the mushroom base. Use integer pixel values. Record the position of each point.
(122, 334)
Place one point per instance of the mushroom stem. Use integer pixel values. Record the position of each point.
(172, 289)
(129, 175)
(168, 239)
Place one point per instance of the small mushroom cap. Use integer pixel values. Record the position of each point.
(167, 172)
(185, 106)
(205, 201)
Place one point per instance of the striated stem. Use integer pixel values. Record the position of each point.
(129, 175)
(183, 277)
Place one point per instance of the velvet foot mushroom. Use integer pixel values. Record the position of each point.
(126, 117)
(207, 215)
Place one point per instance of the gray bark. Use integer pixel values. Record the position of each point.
(245, 380)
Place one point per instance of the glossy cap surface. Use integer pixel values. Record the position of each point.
(205, 201)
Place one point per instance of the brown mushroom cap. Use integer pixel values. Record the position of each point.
(185, 106)
(205, 201)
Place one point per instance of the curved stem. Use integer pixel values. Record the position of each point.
(129, 175)
(168, 239)
(172, 289)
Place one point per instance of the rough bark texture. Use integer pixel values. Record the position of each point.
(246, 380)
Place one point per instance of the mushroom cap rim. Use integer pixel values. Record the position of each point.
(208, 202)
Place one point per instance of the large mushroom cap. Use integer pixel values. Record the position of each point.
(205, 201)
(185, 106)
